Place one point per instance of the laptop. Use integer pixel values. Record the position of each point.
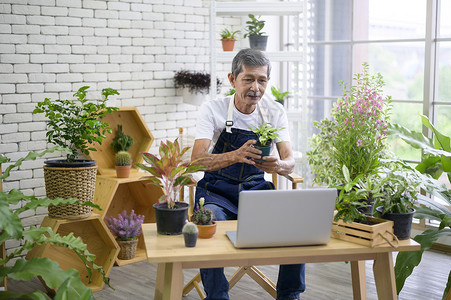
(276, 218)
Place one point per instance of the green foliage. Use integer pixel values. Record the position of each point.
(75, 124)
(230, 92)
(170, 171)
(123, 158)
(254, 26)
(67, 283)
(265, 133)
(227, 34)
(202, 215)
(190, 227)
(121, 142)
(279, 95)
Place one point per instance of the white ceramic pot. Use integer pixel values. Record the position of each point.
(193, 99)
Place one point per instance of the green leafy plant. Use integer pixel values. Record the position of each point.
(202, 215)
(227, 34)
(121, 142)
(67, 283)
(230, 92)
(169, 171)
(266, 133)
(75, 124)
(196, 82)
(123, 158)
(278, 94)
(254, 26)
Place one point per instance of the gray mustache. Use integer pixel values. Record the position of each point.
(253, 94)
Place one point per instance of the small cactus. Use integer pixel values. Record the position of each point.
(190, 227)
(202, 216)
(123, 158)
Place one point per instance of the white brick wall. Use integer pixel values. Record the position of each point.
(49, 48)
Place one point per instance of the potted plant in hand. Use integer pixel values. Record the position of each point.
(170, 173)
(257, 39)
(195, 85)
(190, 233)
(203, 218)
(75, 125)
(279, 95)
(228, 39)
(127, 229)
(266, 133)
(123, 164)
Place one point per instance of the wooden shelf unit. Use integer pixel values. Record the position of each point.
(95, 235)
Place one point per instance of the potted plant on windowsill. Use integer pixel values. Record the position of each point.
(257, 39)
(127, 229)
(228, 39)
(75, 125)
(266, 133)
(279, 95)
(203, 218)
(170, 173)
(195, 85)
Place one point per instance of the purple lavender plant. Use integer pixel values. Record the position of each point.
(126, 227)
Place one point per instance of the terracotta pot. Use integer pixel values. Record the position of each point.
(123, 171)
(228, 44)
(207, 231)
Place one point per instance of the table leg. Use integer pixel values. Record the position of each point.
(358, 279)
(384, 276)
(169, 283)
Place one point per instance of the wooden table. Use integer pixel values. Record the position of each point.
(171, 255)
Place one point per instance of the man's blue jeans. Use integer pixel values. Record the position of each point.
(290, 283)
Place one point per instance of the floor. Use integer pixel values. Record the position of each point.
(324, 281)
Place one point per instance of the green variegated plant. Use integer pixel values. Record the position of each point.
(67, 283)
(170, 171)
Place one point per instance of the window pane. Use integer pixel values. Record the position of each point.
(445, 20)
(401, 65)
(407, 115)
(331, 64)
(442, 119)
(388, 19)
(444, 71)
(331, 19)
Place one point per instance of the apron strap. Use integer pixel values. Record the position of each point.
(229, 122)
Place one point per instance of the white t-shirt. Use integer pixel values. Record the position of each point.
(213, 116)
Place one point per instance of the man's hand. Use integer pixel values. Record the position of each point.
(270, 164)
(247, 153)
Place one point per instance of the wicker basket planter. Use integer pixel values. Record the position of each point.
(78, 183)
(128, 249)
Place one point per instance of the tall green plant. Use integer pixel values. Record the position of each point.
(67, 283)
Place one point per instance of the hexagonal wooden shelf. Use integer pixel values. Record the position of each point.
(95, 235)
(113, 195)
(134, 126)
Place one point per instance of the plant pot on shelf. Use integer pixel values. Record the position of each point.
(123, 171)
(127, 248)
(193, 99)
(258, 42)
(70, 180)
(402, 222)
(170, 221)
(228, 44)
(207, 231)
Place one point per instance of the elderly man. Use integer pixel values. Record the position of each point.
(226, 146)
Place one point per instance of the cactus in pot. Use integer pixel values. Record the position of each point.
(190, 233)
(123, 164)
(203, 218)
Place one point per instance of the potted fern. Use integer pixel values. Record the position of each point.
(228, 39)
(170, 172)
(203, 218)
(266, 133)
(123, 164)
(126, 228)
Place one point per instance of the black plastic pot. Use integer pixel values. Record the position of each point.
(266, 150)
(258, 42)
(402, 222)
(170, 221)
(190, 239)
(62, 163)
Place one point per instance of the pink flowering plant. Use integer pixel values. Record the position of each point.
(126, 227)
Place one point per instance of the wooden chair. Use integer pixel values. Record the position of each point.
(267, 284)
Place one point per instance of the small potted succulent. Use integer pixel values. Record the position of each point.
(228, 39)
(257, 39)
(170, 173)
(190, 233)
(279, 95)
(195, 86)
(123, 164)
(266, 133)
(126, 228)
(203, 218)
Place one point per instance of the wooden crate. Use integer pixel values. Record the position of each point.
(379, 232)
(95, 235)
(134, 126)
(113, 195)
